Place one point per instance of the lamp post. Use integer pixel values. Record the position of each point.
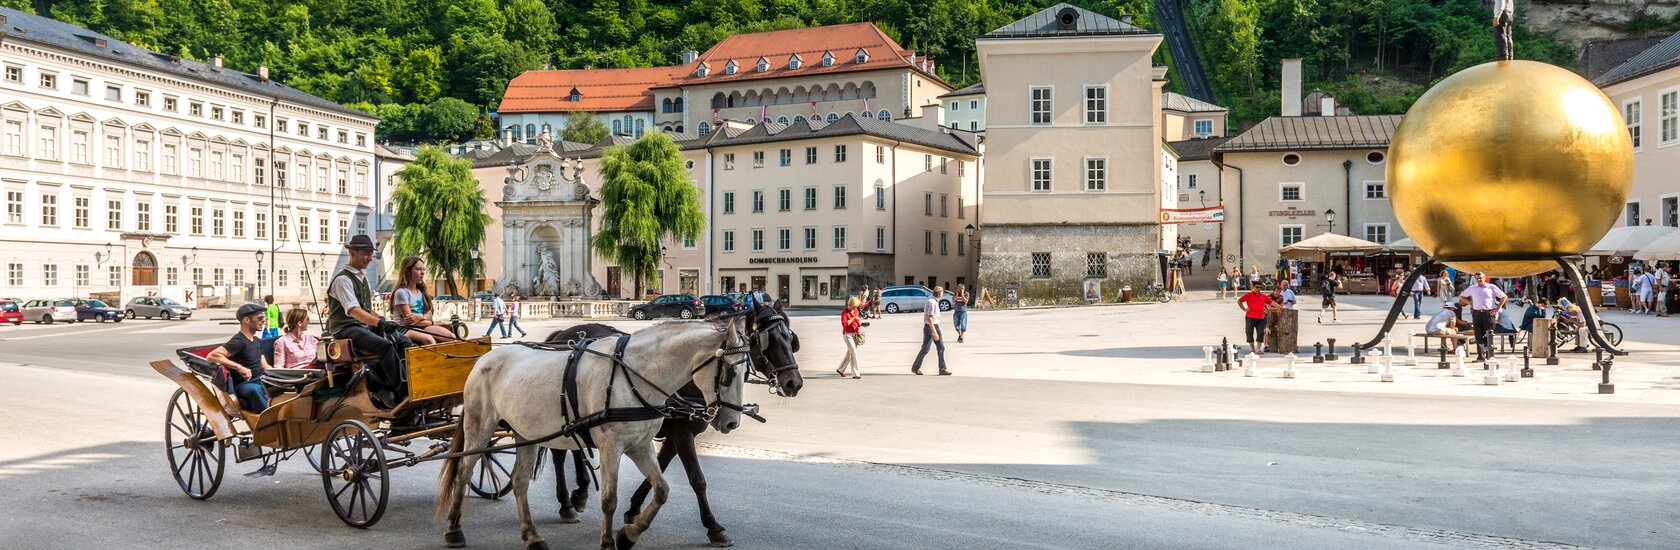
(1203, 196)
(260, 274)
(1330, 219)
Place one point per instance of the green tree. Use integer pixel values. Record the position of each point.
(582, 127)
(447, 120)
(420, 77)
(648, 198)
(440, 215)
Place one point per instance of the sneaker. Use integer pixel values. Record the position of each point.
(943, 373)
(1321, 319)
(916, 372)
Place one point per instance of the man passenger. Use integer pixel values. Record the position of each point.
(244, 359)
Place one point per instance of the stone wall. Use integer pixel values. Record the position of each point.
(1006, 257)
(1581, 21)
(865, 268)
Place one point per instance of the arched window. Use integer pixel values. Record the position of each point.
(618, 127)
(751, 121)
(677, 105)
(832, 117)
(679, 129)
(883, 115)
(798, 119)
(530, 131)
(867, 114)
(638, 128)
(705, 128)
(515, 132)
(665, 105)
(781, 120)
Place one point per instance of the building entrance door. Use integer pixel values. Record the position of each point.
(782, 285)
(144, 270)
(613, 286)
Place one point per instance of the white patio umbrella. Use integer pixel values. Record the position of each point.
(1403, 245)
(1627, 240)
(1328, 243)
(1665, 248)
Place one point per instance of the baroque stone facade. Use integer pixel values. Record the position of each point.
(546, 215)
(1127, 257)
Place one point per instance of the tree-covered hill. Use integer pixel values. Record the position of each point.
(399, 58)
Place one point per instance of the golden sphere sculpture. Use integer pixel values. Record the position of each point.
(1506, 165)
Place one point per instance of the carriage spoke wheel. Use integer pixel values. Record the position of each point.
(313, 455)
(353, 471)
(196, 456)
(493, 476)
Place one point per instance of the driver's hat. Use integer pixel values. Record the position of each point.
(360, 242)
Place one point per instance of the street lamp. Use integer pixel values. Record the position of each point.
(260, 274)
(1330, 219)
(1203, 196)
(186, 260)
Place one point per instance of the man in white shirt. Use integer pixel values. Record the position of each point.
(930, 333)
(1445, 323)
(500, 309)
(348, 318)
(1419, 288)
(1288, 297)
(1663, 282)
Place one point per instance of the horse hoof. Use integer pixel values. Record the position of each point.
(454, 539)
(538, 545)
(568, 515)
(623, 541)
(718, 539)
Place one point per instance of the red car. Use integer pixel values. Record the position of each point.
(10, 312)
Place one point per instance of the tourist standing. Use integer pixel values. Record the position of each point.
(1224, 279)
(498, 308)
(272, 313)
(1664, 280)
(875, 303)
(513, 315)
(1444, 288)
(1328, 287)
(930, 333)
(851, 326)
(959, 311)
(863, 300)
(1646, 284)
(1253, 305)
(1486, 300)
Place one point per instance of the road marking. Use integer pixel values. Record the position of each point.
(1436, 536)
(75, 333)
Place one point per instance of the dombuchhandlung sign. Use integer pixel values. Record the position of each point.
(1175, 216)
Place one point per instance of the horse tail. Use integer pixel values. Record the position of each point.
(447, 488)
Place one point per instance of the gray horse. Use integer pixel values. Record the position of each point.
(517, 386)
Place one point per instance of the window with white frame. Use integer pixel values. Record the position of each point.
(784, 239)
(113, 151)
(1289, 191)
(927, 242)
(239, 223)
(944, 205)
(839, 197)
(49, 80)
(1096, 104)
(758, 240)
(236, 170)
(729, 202)
(1670, 117)
(880, 154)
(784, 200)
(49, 274)
(1376, 190)
(1041, 265)
(927, 204)
(1376, 232)
(880, 197)
(810, 238)
(113, 214)
(143, 155)
(880, 238)
(1290, 234)
(14, 73)
(14, 274)
(82, 278)
(216, 165)
(1096, 173)
(1202, 128)
(1040, 174)
(961, 212)
(171, 219)
(197, 220)
(49, 143)
(262, 223)
(729, 241)
(758, 159)
(810, 198)
(143, 214)
(810, 155)
(1671, 211)
(839, 153)
(839, 237)
(1631, 217)
(1630, 114)
(14, 207)
(1041, 100)
(82, 210)
(195, 162)
(171, 164)
(114, 275)
(79, 144)
(14, 138)
(757, 201)
(49, 209)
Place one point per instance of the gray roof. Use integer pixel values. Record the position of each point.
(1599, 56)
(58, 34)
(976, 88)
(1044, 24)
(1295, 133)
(1196, 149)
(1664, 55)
(393, 152)
(1181, 102)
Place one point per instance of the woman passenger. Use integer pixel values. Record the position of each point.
(296, 348)
(413, 305)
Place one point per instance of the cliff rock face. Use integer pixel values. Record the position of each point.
(1581, 21)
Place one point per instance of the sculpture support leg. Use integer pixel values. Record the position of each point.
(1594, 331)
(1399, 303)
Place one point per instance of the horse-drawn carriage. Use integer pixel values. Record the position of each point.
(326, 414)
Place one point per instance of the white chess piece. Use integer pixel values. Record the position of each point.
(1289, 372)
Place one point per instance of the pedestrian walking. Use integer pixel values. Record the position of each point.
(1645, 285)
(863, 301)
(1207, 253)
(1486, 300)
(930, 333)
(513, 315)
(1327, 287)
(498, 308)
(959, 311)
(1664, 281)
(272, 313)
(1444, 288)
(1224, 279)
(1419, 288)
(1253, 305)
(851, 331)
(875, 303)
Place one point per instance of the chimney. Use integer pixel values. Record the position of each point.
(688, 56)
(1126, 18)
(2, 18)
(216, 62)
(262, 72)
(932, 119)
(1292, 87)
(1327, 106)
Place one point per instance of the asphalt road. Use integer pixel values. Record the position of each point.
(977, 460)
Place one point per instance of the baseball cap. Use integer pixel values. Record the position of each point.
(248, 310)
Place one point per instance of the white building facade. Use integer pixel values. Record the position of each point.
(127, 173)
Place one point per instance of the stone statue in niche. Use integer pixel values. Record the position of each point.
(547, 282)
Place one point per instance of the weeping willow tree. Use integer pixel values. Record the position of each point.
(648, 196)
(440, 215)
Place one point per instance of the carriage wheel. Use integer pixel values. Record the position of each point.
(310, 454)
(353, 471)
(493, 477)
(196, 456)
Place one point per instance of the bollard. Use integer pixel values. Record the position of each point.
(1207, 359)
(1251, 366)
(1458, 367)
(1605, 387)
(1332, 346)
(1318, 352)
(1289, 372)
(1527, 372)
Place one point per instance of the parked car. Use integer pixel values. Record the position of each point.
(50, 311)
(717, 304)
(10, 312)
(151, 306)
(670, 305)
(96, 310)
(909, 298)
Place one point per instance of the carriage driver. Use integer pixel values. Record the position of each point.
(244, 360)
(348, 318)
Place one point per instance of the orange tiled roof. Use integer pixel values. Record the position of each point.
(599, 90)
(777, 47)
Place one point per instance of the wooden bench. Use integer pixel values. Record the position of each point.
(1463, 340)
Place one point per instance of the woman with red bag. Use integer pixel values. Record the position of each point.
(850, 324)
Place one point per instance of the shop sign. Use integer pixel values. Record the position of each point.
(1292, 212)
(1617, 260)
(1012, 294)
(1209, 215)
(794, 260)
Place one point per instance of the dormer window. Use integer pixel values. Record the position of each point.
(730, 68)
(575, 96)
(703, 70)
(763, 64)
(828, 59)
(793, 61)
(862, 56)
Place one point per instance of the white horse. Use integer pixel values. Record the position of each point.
(524, 388)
